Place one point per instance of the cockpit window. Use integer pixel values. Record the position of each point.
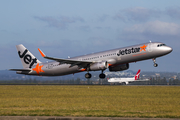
(161, 45)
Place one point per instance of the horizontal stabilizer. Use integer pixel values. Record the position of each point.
(25, 70)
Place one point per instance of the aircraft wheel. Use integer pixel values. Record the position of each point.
(88, 75)
(155, 64)
(123, 83)
(102, 76)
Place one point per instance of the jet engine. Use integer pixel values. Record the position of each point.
(99, 66)
(119, 67)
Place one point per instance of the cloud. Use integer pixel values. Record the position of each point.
(60, 48)
(60, 22)
(155, 27)
(173, 12)
(85, 28)
(98, 42)
(139, 14)
(103, 17)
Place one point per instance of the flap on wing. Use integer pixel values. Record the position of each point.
(27, 70)
(67, 61)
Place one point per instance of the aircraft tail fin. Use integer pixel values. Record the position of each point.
(27, 58)
(137, 75)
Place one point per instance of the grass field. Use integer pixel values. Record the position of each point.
(107, 101)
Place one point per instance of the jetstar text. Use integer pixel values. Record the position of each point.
(128, 51)
(27, 58)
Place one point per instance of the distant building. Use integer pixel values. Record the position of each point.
(157, 74)
(174, 77)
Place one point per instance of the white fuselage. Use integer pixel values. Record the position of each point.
(121, 80)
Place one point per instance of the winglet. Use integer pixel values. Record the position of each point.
(42, 54)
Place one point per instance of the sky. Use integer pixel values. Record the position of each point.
(62, 28)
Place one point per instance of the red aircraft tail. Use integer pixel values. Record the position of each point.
(137, 75)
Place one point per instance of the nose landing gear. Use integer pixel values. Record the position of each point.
(155, 64)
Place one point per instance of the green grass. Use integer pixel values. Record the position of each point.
(97, 101)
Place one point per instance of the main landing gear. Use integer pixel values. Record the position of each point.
(102, 75)
(155, 64)
(88, 75)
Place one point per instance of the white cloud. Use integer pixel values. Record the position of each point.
(173, 12)
(137, 14)
(60, 22)
(155, 27)
(85, 28)
(103, 17)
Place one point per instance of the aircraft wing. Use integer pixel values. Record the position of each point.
(143, 80)
(67, 61)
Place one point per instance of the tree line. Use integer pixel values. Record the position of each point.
(152, 81)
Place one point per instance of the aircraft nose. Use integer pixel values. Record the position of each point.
(167, 49)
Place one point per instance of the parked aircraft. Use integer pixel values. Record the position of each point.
(114, 60)
(125, 81)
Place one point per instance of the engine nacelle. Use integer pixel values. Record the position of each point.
(99, 66)
(119, 67)
(124, 83)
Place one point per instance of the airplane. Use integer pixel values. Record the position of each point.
(114, 60)
(125, 81)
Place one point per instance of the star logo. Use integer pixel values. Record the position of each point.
(38, 68)
(143, 48)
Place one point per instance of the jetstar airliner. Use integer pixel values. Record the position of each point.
(125, 81)
(114, 60)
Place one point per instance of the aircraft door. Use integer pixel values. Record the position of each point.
(150, 47)
(80, 59)
(118, 55)
(50, 66)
